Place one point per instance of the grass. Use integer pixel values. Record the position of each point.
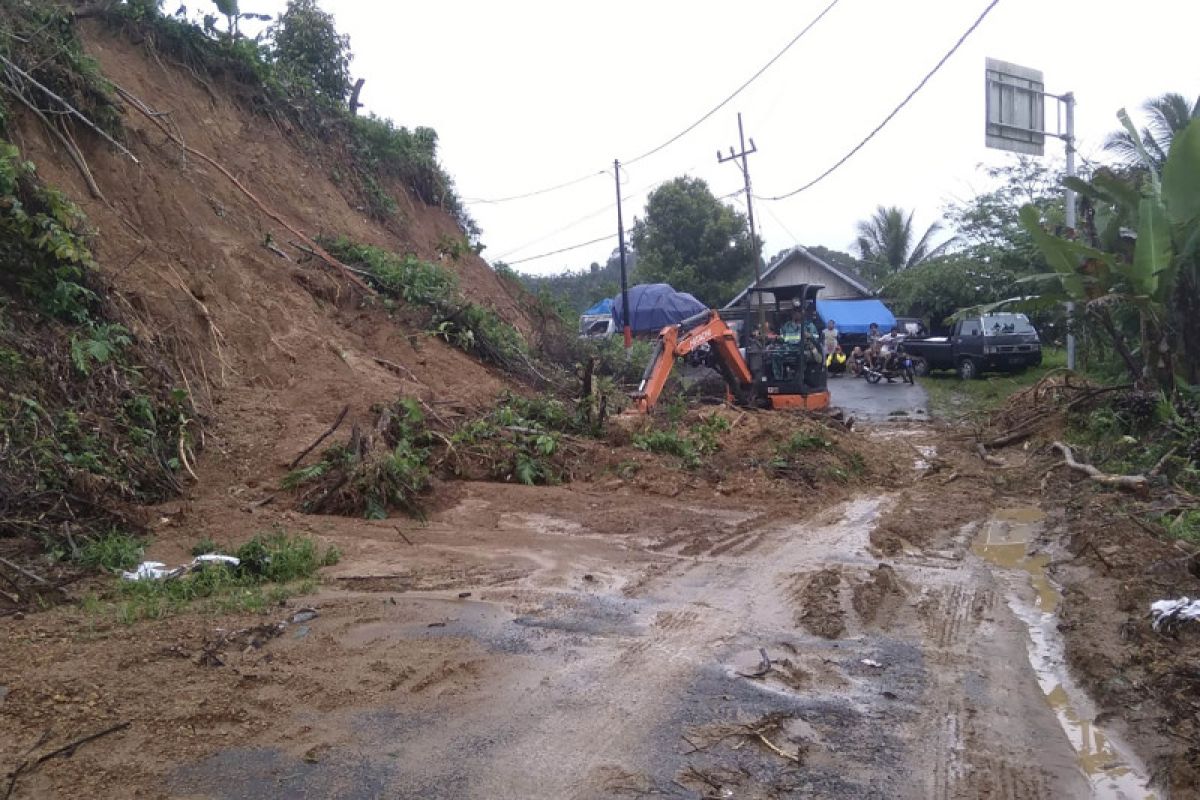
(112, 552)
(951, 397)
(274, 567)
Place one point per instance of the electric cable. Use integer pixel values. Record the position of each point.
(736, 91)
(673, 139)
(562, 250)
(893, 113)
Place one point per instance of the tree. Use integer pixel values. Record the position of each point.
(936, 289)
(694, 242)
(988, 227)
(310, 50)
(1140, 251)
(885, 242)
(1168, 115)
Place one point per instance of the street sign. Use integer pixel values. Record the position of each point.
(1016, 108)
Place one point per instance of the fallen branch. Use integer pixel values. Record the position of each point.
(1012, 437)
(25, 572)
(987, 458)
(66, 751)
(762, 737)
(764, 666)
(67, 144)
(383, 362)
(336, 424)
(1157, 469)
(319, 251)
(71, 109)
(1133, 483)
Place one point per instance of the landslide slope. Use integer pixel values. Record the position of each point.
(269, 347)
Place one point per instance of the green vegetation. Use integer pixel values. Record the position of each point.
(1143, 291)
(372, 473)
(40, 38)
(466, 325)
(112, 551)
(86, 415)
(524, 439)
(273, 567)
(689, 446)
(300, 69)
(953, 398)
(693, 241)
(887, 243)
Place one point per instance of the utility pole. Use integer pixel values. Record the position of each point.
(1068, 100)
(624, 279)
(745, 167)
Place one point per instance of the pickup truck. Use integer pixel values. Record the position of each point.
(1002, 342)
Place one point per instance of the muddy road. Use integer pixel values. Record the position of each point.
(547, 643)
(600, 641)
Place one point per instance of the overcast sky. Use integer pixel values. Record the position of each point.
(526, 94)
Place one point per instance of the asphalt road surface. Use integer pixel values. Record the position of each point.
(879, 402)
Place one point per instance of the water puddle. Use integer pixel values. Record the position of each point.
(1111, 768)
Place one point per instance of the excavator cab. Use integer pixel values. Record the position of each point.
(788, 369)
(780, 369)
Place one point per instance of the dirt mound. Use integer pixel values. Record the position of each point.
(818, 603)
(878, 597)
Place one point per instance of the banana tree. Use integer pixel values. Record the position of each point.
(1139, 250)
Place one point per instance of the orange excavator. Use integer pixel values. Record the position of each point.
(763, 371)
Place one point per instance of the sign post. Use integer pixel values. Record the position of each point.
(1016, 121)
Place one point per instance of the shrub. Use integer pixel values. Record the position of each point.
(113, 551)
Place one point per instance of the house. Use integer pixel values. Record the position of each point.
(800, 265)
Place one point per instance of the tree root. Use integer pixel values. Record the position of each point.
(1132, 483)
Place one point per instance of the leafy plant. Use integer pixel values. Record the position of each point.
(280, 557)
(112, 551)
(99, 345)
(669, 442)
(1155, 273)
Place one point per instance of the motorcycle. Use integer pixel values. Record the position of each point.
(894, 363)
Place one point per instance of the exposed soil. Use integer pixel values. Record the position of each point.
(549, 642)
(603, 638)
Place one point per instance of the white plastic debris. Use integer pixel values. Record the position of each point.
(157, 570)
(1167, 612)
(216, 558)
(870, 662)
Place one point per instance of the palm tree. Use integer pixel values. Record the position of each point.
(886, 240)
(1168, 115)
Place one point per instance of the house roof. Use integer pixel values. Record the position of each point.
(844, 272)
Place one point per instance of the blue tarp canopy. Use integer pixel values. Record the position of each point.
(603, 307)
(653, 306)
(856, 316)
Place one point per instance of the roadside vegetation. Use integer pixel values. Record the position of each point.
(951, 398)
(273, 567)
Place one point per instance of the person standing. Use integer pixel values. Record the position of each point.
(830, 338)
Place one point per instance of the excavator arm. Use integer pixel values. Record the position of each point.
(674, 341)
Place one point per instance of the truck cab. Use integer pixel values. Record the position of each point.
(998, 342)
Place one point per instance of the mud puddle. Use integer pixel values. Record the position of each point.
(1111, 768)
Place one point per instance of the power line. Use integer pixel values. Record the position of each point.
(648, 187)
(676, 137)
(894, 112)
(737, 91)
(594, 241)
(562, 250)
(536, 192)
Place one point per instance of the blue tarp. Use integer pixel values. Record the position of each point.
(653, 306)
(601, 308)
(855, 316)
